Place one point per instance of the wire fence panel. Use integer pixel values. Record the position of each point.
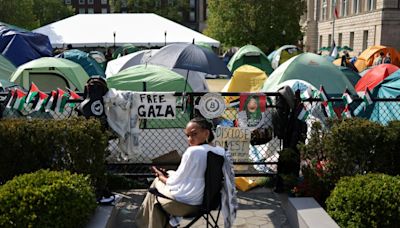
(157, 137)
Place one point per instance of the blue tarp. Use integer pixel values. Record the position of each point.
(21, 46)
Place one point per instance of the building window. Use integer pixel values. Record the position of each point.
(90, 10)
(192, 16)
(104, 10)
(351, 44)
(340, 39)
(329, 39)
(332, 9)
(82, 10)
(67, 2)
(170, 2)
(320, 41)
(192, 4)
(81, 2)
(371, 5)
(356, 6)
(90, 2)
(104, 2)
(365, 40)
(344, 8)
(324, 7)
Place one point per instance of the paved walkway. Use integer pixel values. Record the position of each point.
(260, 207)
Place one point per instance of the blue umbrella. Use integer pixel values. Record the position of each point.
(189, 57)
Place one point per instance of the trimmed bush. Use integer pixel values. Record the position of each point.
(75, 144)
(371, 200)
(47, 199)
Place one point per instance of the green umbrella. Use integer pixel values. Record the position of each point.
(347, 48)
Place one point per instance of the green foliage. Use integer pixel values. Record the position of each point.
(371, 200)
(348, 147)
(31, 14)
(74, 144)
(49, 11)
(167, 9)
(18, 13)
(265, 24)
(353, 145)
(47, 199)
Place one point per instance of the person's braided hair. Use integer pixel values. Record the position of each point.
(204, 124)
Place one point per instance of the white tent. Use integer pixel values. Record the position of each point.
(139, 29)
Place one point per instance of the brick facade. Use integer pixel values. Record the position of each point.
(360, 24)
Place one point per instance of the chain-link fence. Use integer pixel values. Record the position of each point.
(166, 138)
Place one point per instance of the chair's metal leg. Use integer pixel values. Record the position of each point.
(193, 221)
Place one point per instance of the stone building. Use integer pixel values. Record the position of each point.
(360, 24)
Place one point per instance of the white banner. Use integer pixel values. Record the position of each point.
(153, 105)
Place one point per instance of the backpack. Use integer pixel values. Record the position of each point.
(93, 105)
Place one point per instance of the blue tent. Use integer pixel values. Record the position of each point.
(89, 64)
(21, 46)
(383, 111)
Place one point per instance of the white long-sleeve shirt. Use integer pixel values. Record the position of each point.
(187, 183)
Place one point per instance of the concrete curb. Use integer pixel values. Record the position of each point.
(305, 212)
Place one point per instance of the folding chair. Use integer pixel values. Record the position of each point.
(212, 192)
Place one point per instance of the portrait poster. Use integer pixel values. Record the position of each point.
(251, 110)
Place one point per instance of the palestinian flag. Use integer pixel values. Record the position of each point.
(20, 97)
(322, 94)
(33, 91)
(346, 97)
(62, 98)
(347, 112)
(307, 94)
(269, 101)
(73, 96)
(367, 97)
(329, 109)
(304, 113)
(40, 101)
(50, 102)
(11, 98)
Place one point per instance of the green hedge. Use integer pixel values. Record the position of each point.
(74, 144)
(371, 200)
(347, 148)
(47, 199)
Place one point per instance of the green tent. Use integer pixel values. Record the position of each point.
(124, 50)
(6, 68)
(353, 76)
(313, 69)
(250, 55)
(383, 112)
(50, 73)
(157, 79)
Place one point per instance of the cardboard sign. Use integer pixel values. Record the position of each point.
(156, 105)
(237, 140)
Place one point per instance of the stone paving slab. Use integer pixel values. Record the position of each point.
(260, 207)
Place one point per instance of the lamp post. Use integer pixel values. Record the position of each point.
(283, 36)
(165, 38)
(114, 38)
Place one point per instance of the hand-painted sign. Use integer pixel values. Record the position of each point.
(156, 105)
